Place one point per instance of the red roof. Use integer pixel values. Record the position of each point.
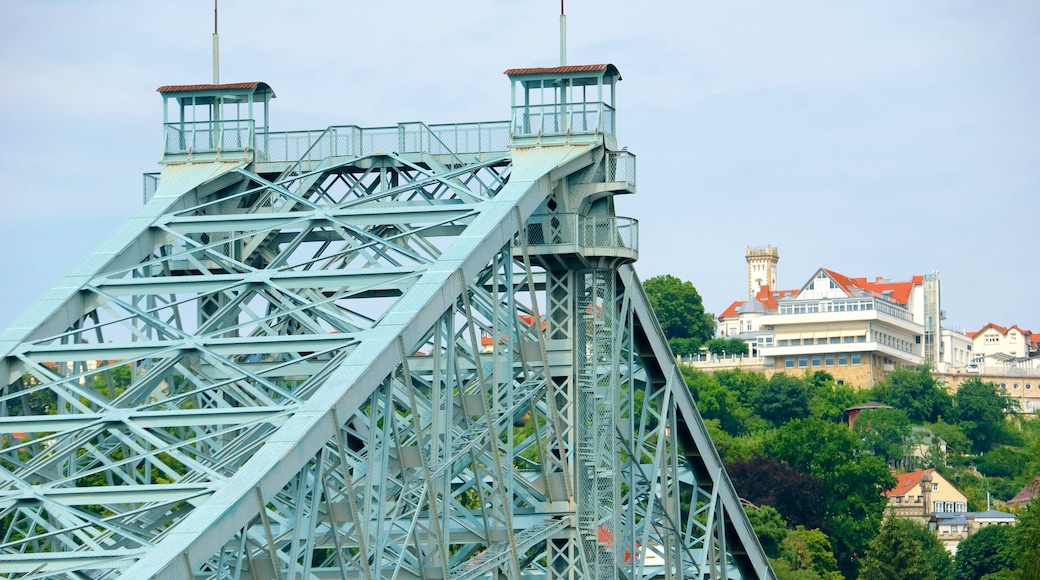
(1003, 330)
(197, 88)
(766, 296)
(1030, 492)
(906, 482)
(899, 292)
(574, 68)
(732, 310)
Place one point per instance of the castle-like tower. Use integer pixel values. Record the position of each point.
(761, 268)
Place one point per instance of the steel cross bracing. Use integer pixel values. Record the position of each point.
(377, 365)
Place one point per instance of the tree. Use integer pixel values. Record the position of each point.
(716, 346)
(805, 549)
(715, 401)
(782, 399)
(883, 432)
(852, 481)
(986, 551)
(766, 481)
(894, 555)
(981, 411)
(916, 392)
(770, 528)
(935, 554)
(681, 313)
(737, 346)
(1027, 542)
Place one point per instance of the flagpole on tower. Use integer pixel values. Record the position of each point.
(563, 36)
(216, 47)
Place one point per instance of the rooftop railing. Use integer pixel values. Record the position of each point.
(353, 141)
(201, 137)
(563, 119)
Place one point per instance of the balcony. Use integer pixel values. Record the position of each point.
(592, 241)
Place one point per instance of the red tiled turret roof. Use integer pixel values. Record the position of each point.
(907, 482)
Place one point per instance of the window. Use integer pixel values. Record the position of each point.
(848, 339)
(843, 359)
(828, 360)
(856, 358)
(835, 339)
(861, 338)
(789, 362)
(935, 487)
(803, 361)
(782, 342)
(815, 360)
(937, 506)
(796, 342)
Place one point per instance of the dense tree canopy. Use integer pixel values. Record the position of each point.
(884, 433)
(986, 551)
(981, 411)
(916, 392)
(852, 481)
(766, 481)
(680, 311)
(895, 555)
(782, 399)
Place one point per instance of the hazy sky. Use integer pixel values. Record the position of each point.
(872, 137)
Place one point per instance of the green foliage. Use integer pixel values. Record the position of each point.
(716, 346)
(916, 392)
(715, 401)
(745, 384)
(782, 399)
(883, 433)
(894, 555)
(986, 551)
(829, 400)
(979, 409)
(680, 311)
(737, 346)
(810, 550)
(770, 528)
(1027, 542)
(852, 481)
(935, 555)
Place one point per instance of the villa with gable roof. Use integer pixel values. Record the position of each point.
(853, 328)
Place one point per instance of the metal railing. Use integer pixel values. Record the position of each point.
(354, 141)
(621, 166)
(558, 119)
(208, 136)
(586, 232)
(150, 185)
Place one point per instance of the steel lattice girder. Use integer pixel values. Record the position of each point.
(339, 372)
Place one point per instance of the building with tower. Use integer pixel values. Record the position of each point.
(762, 263)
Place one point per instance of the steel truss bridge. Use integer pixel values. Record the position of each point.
(403, 352)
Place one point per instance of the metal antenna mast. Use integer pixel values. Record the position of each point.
(563, 36)
(216, 47)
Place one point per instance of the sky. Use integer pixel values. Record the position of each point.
(871, 137)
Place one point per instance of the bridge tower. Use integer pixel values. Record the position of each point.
(417, 351)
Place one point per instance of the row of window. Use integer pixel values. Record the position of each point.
(809, 341)
(948, 507)
(827, 306)
(827, 360)
(1014, 387)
